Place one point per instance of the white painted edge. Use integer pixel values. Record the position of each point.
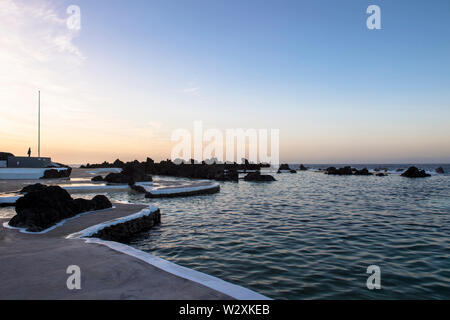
(227, 288)
(214, 283)
(175, 190)
(96, 228)
(59, 224)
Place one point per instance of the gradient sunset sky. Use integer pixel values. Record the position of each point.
(137, 70)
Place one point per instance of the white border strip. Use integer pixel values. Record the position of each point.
(214, 283)
(175, 190)
(206, 280)
(96, 228)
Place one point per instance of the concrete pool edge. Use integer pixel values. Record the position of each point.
(232, 290)
(216, 284)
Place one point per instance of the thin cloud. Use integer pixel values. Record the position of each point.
(191, 90)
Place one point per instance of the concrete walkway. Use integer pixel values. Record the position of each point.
(34, 266)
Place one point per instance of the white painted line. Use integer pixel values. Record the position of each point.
(214, 283)
(175, 190)
(96, 228)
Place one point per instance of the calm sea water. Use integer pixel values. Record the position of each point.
(312, 236)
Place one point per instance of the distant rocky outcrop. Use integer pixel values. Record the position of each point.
(285, 167)
(258, 177)
(57, 174)
(119, 178)
(413, 172)
(440, 170)
(228, 175)
(125, 231)
(136, 171)
(43, 206)
(362, 172)
(347, 171)
(302, 168)
(141, 171)
(131, 173)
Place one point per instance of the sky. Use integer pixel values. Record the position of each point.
(138, 70)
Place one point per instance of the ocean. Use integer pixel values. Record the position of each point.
(313, 236)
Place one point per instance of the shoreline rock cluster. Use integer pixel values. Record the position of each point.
(413, 172)
(43, 206)
(125, 231)
(57, 174)
(285, 167)
(347, 171)
(258, 177)
(142, 171)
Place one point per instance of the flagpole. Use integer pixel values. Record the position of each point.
(39, 123)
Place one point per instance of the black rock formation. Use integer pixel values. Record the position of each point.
(440, 170)
(33, 188)
(39, 210)
(347, 171)
(362, 172)
(97, 179)
(124, 232)
(141, 171)
(119, 178)
(413, 172)
(56, 174)
(258, 177)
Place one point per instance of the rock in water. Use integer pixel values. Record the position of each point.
(346, 171)
(97, 179)
(303, 168)
(136, 171)
(230, 175)
(119, 178)
(413, 172)
(55, 174)
(440, 170)
(362, 172)
(258, 177)
(285, 167)
(33, 188)
(101, 202)
(39, 210)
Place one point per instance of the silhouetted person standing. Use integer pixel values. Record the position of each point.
(29, 152)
